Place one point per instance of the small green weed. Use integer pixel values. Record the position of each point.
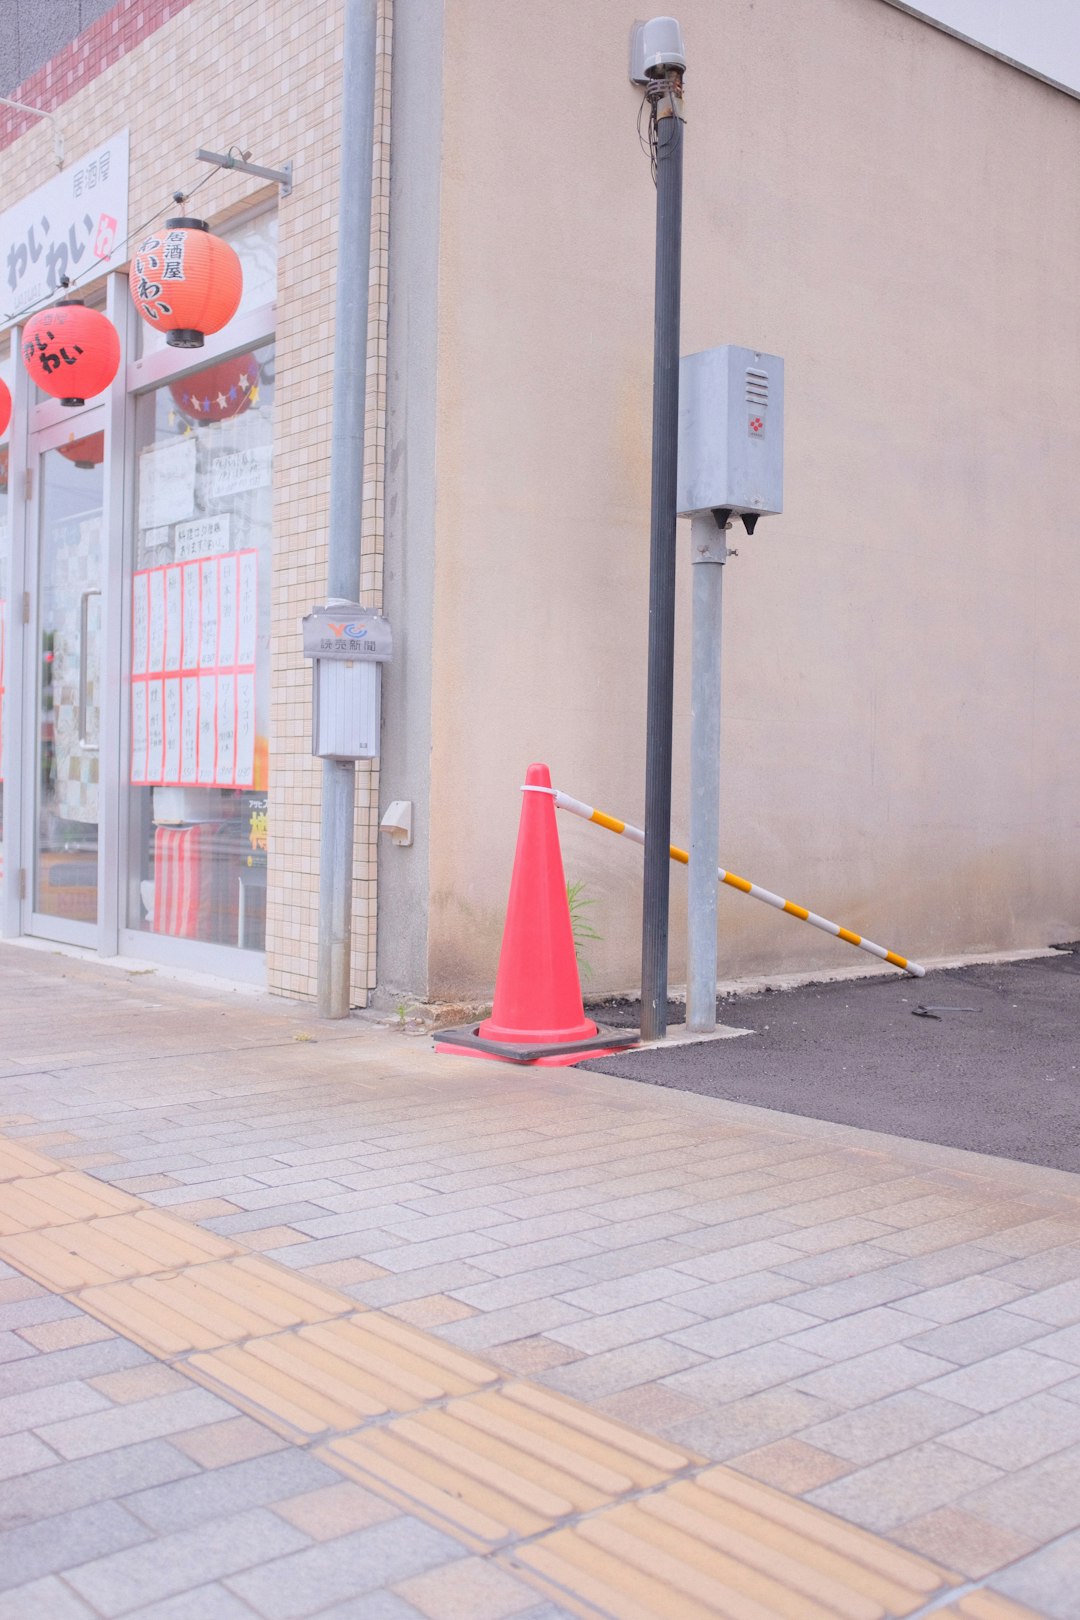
(584, 932)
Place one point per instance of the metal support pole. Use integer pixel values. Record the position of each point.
(708, 550)
(333, 982)
(670, 134)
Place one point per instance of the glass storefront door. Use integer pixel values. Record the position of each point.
(199, 664)
(135, 614)
(65, 680)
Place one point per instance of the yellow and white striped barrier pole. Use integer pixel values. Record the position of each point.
(587, 813)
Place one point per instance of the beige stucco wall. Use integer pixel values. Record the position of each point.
(894, 213)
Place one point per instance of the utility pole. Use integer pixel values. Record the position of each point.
(708, 554)
(333, 982)
(662, 65)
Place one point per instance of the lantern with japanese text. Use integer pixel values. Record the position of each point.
(5, 407)
(186, 282)
(220, 391)
(71, 352)
(85, 453)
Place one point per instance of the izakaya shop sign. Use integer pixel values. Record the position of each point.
(75, 225)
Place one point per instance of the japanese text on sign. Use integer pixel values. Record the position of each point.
(194, 634)
(74, 224)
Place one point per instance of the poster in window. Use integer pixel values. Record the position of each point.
(173, 618)
(189, 730)
(171, 770)
(207, 729)
(248, 609)
(140, 597)
(155, 731)
(226, 729)
(227, 612)
(156, 660)
(208, 585)
(138, 731)
(192, 624)
(167, 483)
(196, 627)
(245, 730)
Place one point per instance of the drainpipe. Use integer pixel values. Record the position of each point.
(347, 480)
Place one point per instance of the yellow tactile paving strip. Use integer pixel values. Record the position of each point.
(38, 1201)
(986, 1606)
(203, 1307)
(607, 1521)
(338, 1375)
(515, 1462)
(67, 1258)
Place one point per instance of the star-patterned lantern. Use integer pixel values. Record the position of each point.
(71, 352)
(186, 282)
(220, 391)
(86, 453)
(5, 407)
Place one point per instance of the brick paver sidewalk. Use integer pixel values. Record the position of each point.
(884, 1329)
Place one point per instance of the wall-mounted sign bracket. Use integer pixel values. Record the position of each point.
(39, 112)
(230, 160)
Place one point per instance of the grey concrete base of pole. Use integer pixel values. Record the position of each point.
(334, 982)
(709, 554)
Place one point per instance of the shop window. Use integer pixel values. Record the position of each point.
(255, 241)
(199, 655)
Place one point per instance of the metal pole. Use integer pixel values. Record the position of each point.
(665, 440)
(347, 480)
(708, 550)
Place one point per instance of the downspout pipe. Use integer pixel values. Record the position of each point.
(333, 982)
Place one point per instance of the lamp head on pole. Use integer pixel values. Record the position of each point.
(656, 50)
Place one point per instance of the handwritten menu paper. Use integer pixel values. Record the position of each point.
(140, 616)
(173, 619)
(189, 654)
(207, 730)
(247, 608)
(202, 537)
(208, 587)
(227, 573)
(155, 731)
(194, 639)
(189, 729)
(226, 727)
(138, 731)
(157, 620)
(236, 470)
(167, 483)
(245, 730)
(171, 771)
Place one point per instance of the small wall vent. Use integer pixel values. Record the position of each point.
(757, 387)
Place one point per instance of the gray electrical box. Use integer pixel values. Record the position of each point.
(731, 432)
(348, 645)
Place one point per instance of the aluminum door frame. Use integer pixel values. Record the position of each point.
(39, 924)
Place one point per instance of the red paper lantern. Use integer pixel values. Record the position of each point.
(186, 282)
(71, 352)
(5, 407)
(220, 391)
(86, 453)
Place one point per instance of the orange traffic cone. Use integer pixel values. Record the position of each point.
(538, 1016)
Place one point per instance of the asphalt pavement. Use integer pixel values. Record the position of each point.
(1002, 1079)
